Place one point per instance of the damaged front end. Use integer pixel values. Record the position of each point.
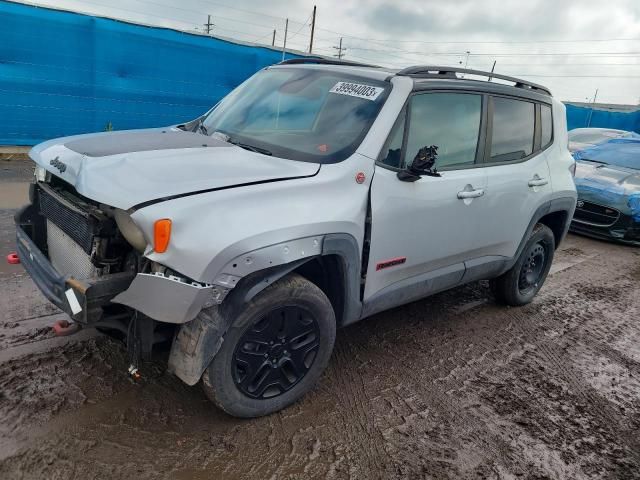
(87, 259)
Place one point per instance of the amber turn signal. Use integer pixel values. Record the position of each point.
(161, 235)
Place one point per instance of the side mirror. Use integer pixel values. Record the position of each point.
(423, 164)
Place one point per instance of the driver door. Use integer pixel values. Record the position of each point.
(423, 231)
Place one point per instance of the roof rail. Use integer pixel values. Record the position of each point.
(324, 61)
(426, 71)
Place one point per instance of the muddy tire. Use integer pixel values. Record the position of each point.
(274, 351)
(522, 282)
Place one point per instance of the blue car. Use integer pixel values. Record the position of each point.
(608, 183)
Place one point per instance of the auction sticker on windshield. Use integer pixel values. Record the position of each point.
(357, 90)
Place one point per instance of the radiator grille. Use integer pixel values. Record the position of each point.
(592, 213)
(67, 256)
(72, 222)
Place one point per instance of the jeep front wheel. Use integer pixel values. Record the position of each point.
(274, 351)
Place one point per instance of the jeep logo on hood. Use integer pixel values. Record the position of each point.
(58, 164)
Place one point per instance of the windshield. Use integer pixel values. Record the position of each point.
(299, 114)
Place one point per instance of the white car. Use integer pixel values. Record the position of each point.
(316, 194)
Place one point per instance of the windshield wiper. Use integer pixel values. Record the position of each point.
(201, 128)
(251, 148)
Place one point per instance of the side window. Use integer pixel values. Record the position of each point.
(451, 121)
(393, 149)
(546, 125)
(513, 129)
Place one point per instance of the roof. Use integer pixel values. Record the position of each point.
(425, 73)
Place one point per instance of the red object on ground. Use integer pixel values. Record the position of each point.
(13, 258)
(62, 328)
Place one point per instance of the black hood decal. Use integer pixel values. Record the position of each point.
(115, 143)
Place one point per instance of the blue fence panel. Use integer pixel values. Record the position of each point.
(64, 73)
(578, 117)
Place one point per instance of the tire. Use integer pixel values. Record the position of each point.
(521, 283)
(274, 351)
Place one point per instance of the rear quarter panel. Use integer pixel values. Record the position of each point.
(559, 157)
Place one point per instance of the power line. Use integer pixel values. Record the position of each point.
(452, 54)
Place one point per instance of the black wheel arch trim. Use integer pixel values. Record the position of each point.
(562, 204)
(346, 247)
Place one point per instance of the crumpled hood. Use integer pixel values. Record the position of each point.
(128, 168)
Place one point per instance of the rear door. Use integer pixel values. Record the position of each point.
(422, 231)
(518, 134)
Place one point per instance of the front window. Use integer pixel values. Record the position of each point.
(300, 113)
(449, 121)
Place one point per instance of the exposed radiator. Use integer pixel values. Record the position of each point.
(71, 220)
(67, 256)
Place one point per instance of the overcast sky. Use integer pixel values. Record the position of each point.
(571, 46)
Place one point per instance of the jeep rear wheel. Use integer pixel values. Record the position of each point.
(522, 282)
(274, 351)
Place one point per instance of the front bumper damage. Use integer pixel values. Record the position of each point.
(164, 298)
(168, 298)
(91, 294)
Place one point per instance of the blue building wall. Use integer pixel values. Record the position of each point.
(64, 73)
(578, 117)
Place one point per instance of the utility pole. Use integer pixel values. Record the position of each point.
(284, 45)
(208, 25)
(595, 96)
(273, 40)
(340, 50)
(313, 28)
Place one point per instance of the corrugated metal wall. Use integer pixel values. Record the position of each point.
(64, 73)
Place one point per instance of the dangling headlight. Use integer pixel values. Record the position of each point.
(130, 231)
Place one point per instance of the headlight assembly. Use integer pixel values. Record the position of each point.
(130, 231)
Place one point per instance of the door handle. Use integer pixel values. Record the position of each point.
(536, 181)
(470, 194)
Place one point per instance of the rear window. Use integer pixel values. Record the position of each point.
(546, 126)
(513, 129)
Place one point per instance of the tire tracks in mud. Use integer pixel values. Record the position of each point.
(451, 387)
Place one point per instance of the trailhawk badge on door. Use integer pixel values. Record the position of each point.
(357, 90)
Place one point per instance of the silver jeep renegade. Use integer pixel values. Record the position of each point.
(314, 195)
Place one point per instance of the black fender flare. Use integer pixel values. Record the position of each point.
(562, 204)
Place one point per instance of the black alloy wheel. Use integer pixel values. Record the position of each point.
(276, 352)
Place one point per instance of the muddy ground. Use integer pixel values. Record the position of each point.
(451, 387)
